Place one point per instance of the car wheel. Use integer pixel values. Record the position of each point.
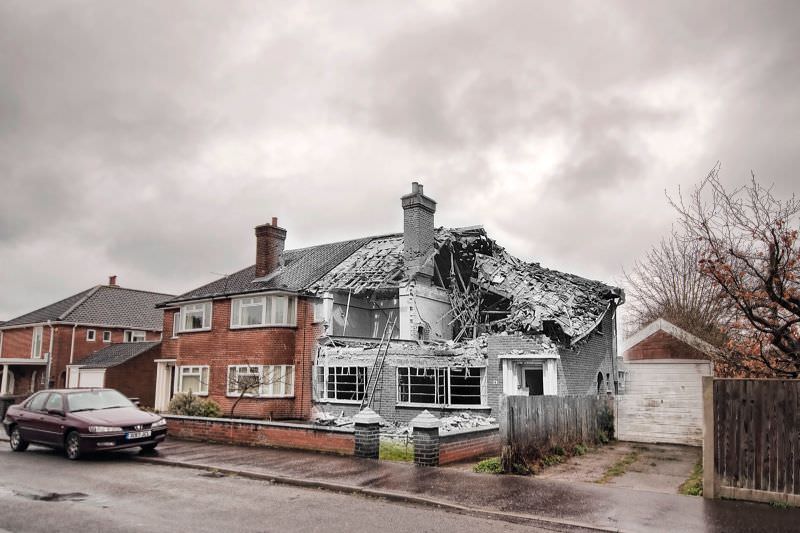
(18, 444)
(72, 446)
(148, 448)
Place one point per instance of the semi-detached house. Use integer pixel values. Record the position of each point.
(37, 348)
(431, 318)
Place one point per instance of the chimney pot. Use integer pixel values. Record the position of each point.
(270, 241)
(112, 281)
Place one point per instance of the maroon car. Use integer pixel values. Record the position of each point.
(81, 421)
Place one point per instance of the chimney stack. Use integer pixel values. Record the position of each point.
(418, 212)
(112, 281)
(270, 240)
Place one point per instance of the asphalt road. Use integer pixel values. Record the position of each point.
(42, 491)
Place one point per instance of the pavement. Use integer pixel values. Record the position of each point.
(549, 504)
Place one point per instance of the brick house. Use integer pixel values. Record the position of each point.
(37, 347)
(430, 318)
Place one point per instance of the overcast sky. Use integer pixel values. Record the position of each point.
(147, 139)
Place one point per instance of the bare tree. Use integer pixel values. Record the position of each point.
(667, 283)
(250, 380)
(749, 248)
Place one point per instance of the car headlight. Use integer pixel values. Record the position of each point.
(159, 423)
(104, 429)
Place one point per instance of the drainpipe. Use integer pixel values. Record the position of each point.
(72, 343)
(49, 356)
(614, 371)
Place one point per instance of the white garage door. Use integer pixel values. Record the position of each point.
(663, 402)
(91, 377)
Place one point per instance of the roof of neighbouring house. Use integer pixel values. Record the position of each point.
(103, 305)
(116, 354)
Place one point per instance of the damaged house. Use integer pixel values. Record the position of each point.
(431, 318)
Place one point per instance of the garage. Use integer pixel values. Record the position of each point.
(662, 401)
(86, 377)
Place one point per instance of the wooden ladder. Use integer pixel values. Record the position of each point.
(377, 366)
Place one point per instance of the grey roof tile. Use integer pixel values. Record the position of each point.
(116, 354)
(106, 305)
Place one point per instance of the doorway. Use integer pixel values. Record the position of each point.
(534, 381)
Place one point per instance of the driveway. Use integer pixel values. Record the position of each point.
(652, 467)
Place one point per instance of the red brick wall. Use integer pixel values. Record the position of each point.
(262, 434)
(17, 342)
(476, 444)
(223, 346)
(136, 378)
(662, 345)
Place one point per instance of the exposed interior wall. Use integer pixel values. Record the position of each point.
(425, 308)
(581, 363)
(366, 317)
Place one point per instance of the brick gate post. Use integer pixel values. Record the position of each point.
(426, 439)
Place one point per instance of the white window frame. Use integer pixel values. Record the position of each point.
(270, 304)
(442, 373)
(108, 334)
(176, 323)
(91, 335)
(193, 371)
(284, 386)
(205, 307)
(37, 339)
(131, 334)
(330, 373)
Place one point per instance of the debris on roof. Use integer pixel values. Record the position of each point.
(540, 298)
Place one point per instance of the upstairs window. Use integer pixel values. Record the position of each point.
(176, 323)
(106, 336)
(91, 335)
(36, 342)
(270, 310)
(196, 317)
(134, 336)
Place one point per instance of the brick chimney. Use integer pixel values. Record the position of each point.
(418, 212)
(112, 281)
(270, 240)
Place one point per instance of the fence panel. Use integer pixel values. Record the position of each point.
(755, 439)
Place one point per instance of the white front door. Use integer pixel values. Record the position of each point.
(165, 377)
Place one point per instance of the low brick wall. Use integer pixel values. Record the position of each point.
(262, 433)
(473, 443)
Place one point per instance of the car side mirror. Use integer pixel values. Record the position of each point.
(58, 412)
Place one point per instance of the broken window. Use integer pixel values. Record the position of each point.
(441, 386)
(467, 386)
(345, 383)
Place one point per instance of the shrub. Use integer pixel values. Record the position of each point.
(558, 450)
(580, 449)
(191, 405)
(489, 466)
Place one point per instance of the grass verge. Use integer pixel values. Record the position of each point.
(620, 467)
(694, 485)
(396, 451)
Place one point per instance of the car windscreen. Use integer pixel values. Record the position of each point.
(96, 399)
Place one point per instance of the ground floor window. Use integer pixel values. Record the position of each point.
(343, 383)
(441, 386)
(272, 381)
(193, 379)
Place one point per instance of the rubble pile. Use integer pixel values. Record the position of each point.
(465, 420)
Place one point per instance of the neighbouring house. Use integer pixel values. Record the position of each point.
(664, 367)
(128, 367)
(430, 318)
(37, 347)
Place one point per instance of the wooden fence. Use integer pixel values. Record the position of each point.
(752, 439)
(528, 422)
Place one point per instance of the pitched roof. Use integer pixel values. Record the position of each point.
(301, 268)
(670, 328)
(103, 304)
(116, 354)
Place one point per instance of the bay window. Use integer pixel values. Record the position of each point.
(195, 317)
(266, 310)
(36, 342)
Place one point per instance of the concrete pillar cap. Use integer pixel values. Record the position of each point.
(425, 420)
(367, 416)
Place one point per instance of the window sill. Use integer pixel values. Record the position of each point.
(204, 394)
(193, 331)
(343, 402)
(441, 406)
(264, 326)
(259, 397)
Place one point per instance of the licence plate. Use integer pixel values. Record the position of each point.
(138, 434)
